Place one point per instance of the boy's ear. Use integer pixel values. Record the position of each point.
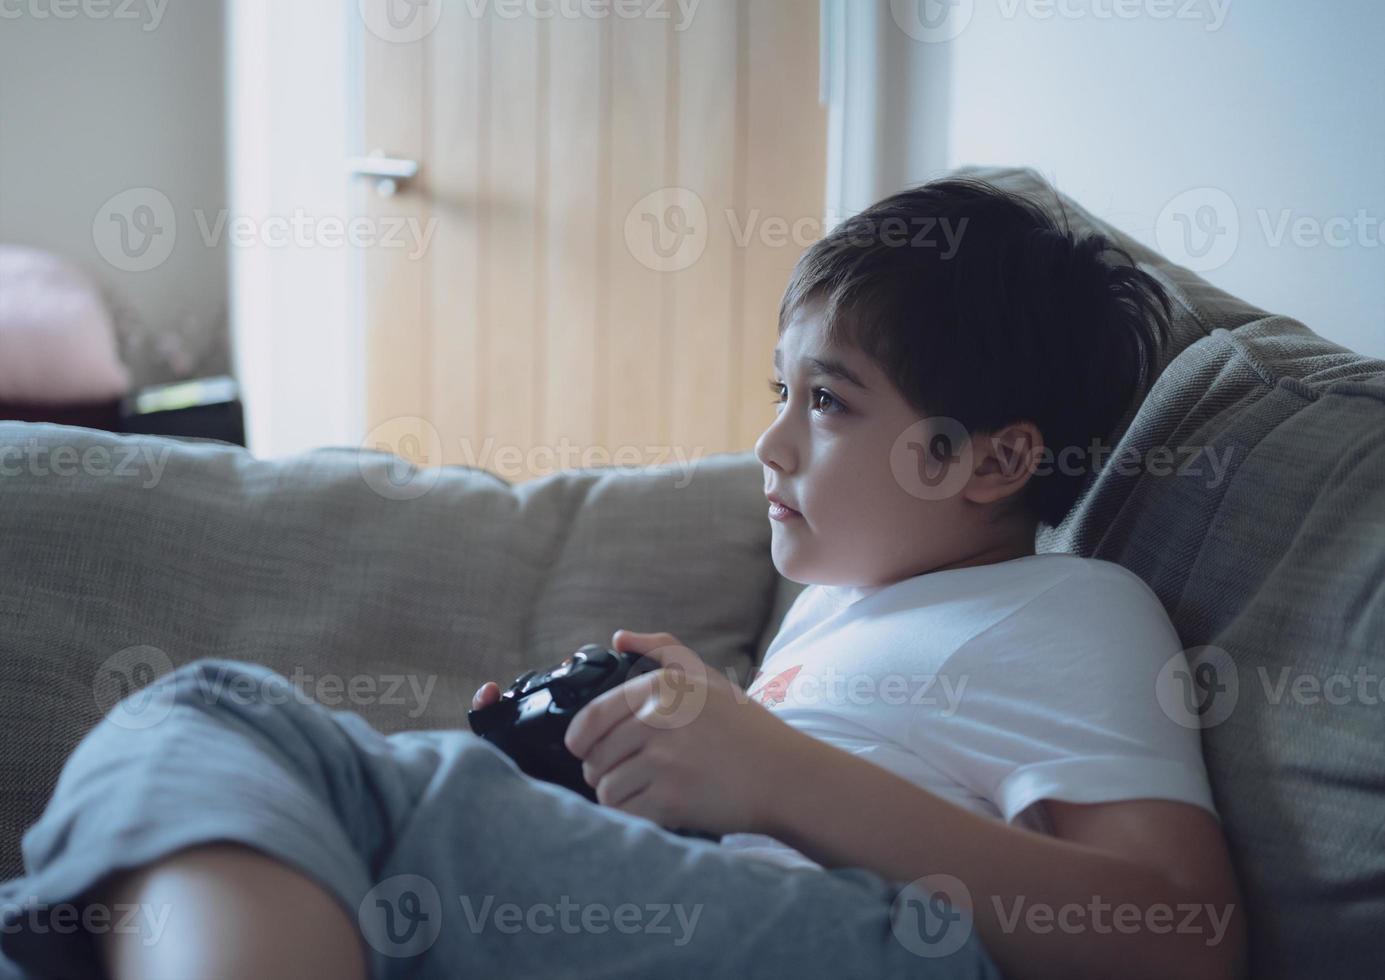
(1003, 461)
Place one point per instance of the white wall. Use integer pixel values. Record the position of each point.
(295, 326)
(92, 106)
(1273, 103)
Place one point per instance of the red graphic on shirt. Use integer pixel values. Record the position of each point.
(776, 689)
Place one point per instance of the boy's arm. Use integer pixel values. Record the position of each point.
(1130, 889)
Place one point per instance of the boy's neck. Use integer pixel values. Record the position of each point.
(1016, 541)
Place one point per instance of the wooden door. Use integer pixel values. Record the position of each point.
(605, 217)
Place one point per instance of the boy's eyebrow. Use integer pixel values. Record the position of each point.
(829, 366)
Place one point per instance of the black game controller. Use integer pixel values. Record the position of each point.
(529, 721)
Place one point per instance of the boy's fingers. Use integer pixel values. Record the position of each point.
(662, 648)
(487, 693)
(656, 646)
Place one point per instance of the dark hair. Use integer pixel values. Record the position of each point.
(979, 306)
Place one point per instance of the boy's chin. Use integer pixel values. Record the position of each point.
(796, 570)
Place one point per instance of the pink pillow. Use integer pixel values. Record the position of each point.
(57, 341)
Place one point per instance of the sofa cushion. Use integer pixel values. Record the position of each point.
(122, 557)
(1249, 493)
(1272, 571)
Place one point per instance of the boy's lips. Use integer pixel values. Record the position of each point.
(780, 511)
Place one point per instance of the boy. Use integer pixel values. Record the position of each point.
(1005, 753)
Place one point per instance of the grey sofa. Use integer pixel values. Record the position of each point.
(393, 593)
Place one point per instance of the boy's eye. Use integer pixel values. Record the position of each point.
(820, 396)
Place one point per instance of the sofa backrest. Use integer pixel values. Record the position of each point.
(1248, 490)
(376, 588)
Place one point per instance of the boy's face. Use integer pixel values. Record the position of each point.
(828, 456)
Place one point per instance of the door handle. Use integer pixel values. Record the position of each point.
(389, 173)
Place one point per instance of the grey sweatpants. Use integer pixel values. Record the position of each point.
(452, 862)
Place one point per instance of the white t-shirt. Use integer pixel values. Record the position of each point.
(993, 686)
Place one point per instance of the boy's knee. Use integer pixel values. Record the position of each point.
(221, 893)
(212, 687)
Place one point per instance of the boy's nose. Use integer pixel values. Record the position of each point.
(772, 450)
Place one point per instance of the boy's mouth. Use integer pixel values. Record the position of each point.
(780, 511)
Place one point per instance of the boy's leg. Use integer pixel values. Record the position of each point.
(447, 858)
(224, 893)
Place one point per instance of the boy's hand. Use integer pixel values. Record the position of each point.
(681, 745)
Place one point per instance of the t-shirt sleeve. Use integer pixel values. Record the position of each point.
(1061, 702)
